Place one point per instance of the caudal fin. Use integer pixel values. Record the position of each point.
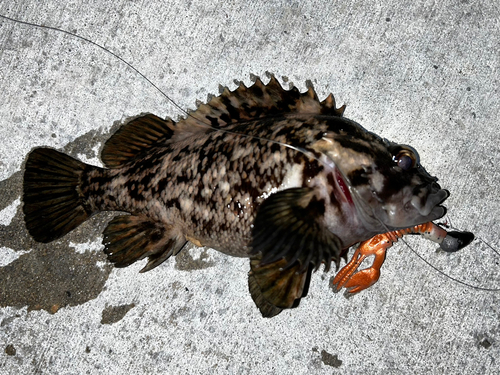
(53, 202)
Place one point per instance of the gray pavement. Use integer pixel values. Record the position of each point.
(421, 73)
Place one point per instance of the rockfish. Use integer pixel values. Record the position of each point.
(260, 172)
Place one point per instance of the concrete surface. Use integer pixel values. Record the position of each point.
(423, 73)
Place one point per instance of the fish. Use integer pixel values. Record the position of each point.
(261, 172)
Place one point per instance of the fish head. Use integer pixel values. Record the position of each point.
(384, 181)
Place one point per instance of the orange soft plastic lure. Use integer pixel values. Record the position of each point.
(355, 280)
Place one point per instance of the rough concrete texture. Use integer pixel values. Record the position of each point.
(423, 73)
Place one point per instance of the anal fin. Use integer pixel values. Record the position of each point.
(129, 238)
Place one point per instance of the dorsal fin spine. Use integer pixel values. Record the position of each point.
(229, 108)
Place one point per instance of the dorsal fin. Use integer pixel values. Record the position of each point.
(254, 102)
(231, 107)
(134, 138)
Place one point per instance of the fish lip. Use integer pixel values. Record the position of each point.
(433, 201)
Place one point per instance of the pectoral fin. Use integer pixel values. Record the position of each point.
(273, 289)
(290, 225)
(289, 240)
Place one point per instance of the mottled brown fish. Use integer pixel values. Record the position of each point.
(260, 172)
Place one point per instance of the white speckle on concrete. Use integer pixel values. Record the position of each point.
(8, 213)
(94, 160)
(8, 255)
(82, 248)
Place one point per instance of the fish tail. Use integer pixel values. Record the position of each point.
(53, 201)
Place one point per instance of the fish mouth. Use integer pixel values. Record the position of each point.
(430, 205)
(409, 208)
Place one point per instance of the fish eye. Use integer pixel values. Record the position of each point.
(405, 159)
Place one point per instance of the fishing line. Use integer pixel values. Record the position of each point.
(488, 245)
(101, 47)
(204, 124)
(449, 224)
(208, 126)
(446, 275)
